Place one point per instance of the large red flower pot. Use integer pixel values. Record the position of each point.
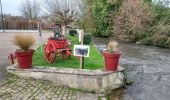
(111, 60)
(24, 58)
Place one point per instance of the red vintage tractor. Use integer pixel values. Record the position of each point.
(57, 46)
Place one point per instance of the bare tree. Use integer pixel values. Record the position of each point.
(82, 5)
(30, 9)
(63, 11)
(86, 20)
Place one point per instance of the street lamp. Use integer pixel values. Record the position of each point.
(2, 17)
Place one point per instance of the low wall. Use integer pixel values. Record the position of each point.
(98, 81)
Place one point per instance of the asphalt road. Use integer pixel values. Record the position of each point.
(7, 47)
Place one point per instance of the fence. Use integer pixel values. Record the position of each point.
(19, 25)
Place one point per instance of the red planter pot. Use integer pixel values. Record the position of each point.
(25, 58)
(111, 60)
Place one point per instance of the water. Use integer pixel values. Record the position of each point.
(148, 67)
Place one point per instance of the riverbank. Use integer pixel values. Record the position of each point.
(144, 42)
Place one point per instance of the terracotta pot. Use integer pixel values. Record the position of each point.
(24, 58)
(111, 60)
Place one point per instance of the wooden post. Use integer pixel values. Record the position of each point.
(39, 29)
(82, 58)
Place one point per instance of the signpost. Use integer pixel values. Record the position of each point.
(39, 29)
(81, 50)
(82, 58)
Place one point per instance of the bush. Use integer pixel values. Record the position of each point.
(143, 36)
(168, 42)
(163, 13)
(87, 38)
(72, 32)
(158, 36)
(134, 17)
(102, 12)
(161, 40)
(163, 29)
(146, 41)
(156, 40)
(93, 31)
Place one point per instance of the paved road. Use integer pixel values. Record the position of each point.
(6, 46)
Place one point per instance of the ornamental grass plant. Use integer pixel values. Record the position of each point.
(23, 41)
(112, 46)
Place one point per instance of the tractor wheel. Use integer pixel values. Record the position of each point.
(49, 53)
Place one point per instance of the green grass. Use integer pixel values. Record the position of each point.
(95, 61)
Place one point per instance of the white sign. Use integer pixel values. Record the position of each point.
(81, 50)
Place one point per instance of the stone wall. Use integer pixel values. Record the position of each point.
(98, 81)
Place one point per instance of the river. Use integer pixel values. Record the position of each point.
(148, 67)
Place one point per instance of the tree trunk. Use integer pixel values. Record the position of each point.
(64, 29)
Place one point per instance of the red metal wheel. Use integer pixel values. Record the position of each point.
(49, 52)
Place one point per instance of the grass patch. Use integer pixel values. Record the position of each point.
(95, 61)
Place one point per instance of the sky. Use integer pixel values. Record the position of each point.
(11, 7)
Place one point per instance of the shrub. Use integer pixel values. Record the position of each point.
(72, 32)
(160, 40)
(23, 41)
(146, 41)
(163, 13)
(143, 36)
(102, 12)
(87, 38)
(163, 29)
(168, 42)
(156, 40)
(134, 17)
(94, 31)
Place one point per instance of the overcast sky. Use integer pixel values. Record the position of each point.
(11, 6)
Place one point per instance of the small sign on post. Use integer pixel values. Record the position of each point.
(81, 50)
